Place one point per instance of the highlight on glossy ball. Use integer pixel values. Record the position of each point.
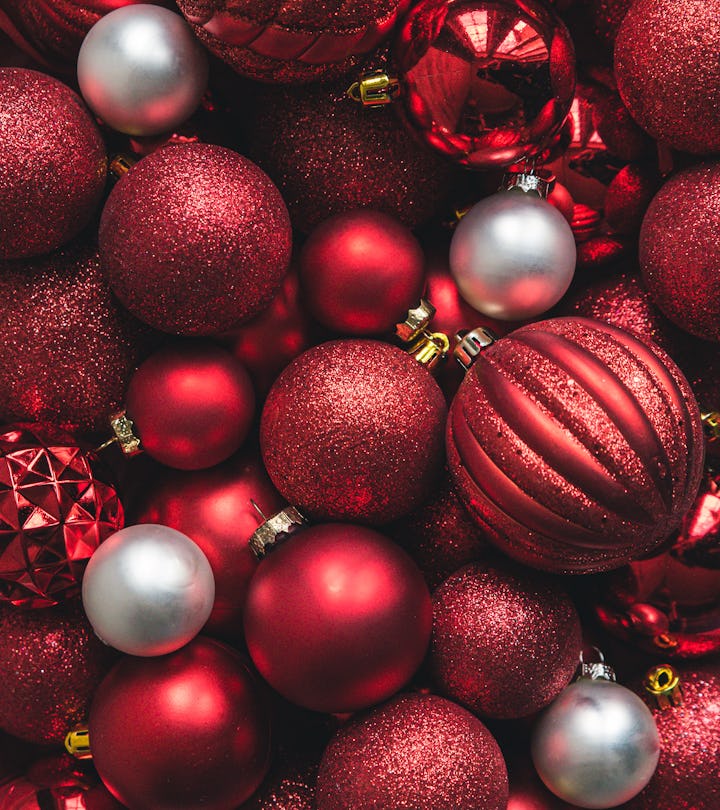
(141, 70)
(148, 590)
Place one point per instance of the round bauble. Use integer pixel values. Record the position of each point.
(290, 785)
(628, 197)
(607, 16)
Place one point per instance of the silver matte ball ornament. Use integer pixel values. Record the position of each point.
(148, 590)
(513, 255)
(141, 70)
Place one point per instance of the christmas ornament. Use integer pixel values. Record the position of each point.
(616, 128)
(195, 239)
(204, 743)
(53, 164)
(680, 250)
(607, 15)
(54, 513)
(352, 431)
(418, 751)
(666, 72)
(148, 590)
(288, 42)
(628, 197)
(494, 626)
(485, 82)
(361, 272)
(597, 745)
(513, 255)
(289, 786)
(338, 618)
(141, 70)
(50, 665)
(575, 445)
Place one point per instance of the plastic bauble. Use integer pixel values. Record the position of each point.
(577, 446)
(180, 732)
(195, 239)
(628, 197)
(53, 164)
(617, 129)
(352, 431)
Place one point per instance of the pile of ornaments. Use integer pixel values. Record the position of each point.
(328, 470)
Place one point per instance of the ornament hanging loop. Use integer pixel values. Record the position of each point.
(471, 343)
(595, 670)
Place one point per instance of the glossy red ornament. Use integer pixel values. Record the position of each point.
(485, 82)
(192, 405)
(418, 751)
(53, 164)
(361, 272)
(195, 239)
(352, 431)
(617, 129)
(184, 730)
(575, 445)
(628, 197)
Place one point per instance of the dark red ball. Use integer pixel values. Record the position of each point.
(628, 197)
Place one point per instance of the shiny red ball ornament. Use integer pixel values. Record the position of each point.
(361, 272)
(680, 250)
(485, 82)
(628, 197)
(418, 751)
(184, 730)
(352, 431)
(617, 129)
(195, 239)
(53, 164)
(577, 446)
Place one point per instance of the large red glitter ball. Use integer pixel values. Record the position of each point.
(53, 170)
(668, 73)
(54, 513)
(290, 42)
(576, 445)
(680, 250)
(352, 430)
(418, 751)
(195, 239)
(184, 730)
(495, 626)
(338, 618)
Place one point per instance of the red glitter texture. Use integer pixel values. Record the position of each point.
(628, 196)
(577, 446)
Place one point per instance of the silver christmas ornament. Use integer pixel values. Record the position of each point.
(141, 70)
(148, 590)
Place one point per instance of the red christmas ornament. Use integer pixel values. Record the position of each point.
(289, 42)
(607, 16)
(50, 664)
(667, 73)
(575, 445)
(192, 405)
(195, 239)
(53, 164)
(184, 730)
(617, 129)
(680, 250)
(417, 751)
(289, 786)
(628, 197)
(361, 272)
(352, 431)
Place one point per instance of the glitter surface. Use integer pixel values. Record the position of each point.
(418, 752)
(352, 430)
(628, 197)
(289, 786)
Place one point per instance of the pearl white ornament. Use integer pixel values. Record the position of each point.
(142, 70)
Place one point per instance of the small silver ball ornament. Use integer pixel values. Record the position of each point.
(141, 70)
(148, 590)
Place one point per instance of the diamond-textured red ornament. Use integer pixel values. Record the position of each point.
(54, 512)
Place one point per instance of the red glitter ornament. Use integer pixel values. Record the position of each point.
(628, 197)
(352, 430)
(616, 127)
(417, 751)
(184, 730)
(680, 250)
(575, 445)
(289, 786)
(607, 16)
(53, 164)
(195, 239)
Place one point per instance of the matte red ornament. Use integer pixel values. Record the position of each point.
(184, 730)
(361, 272)
(575, 445)
(352, 430)
(53, 164)
(195, 239)
(192, 405)
(418, 751)
(680, 250)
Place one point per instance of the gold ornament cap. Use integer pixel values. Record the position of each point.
(662, 684)
(711, 423)
(374, 88)
(416, 322)
(123, 429)
(77, 743)
(430, 349)
(120, 165)
(275, 529)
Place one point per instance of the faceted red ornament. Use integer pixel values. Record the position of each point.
(485, 82)
(54, 513)
(577, 446)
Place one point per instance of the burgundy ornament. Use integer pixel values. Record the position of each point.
(628, 197)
